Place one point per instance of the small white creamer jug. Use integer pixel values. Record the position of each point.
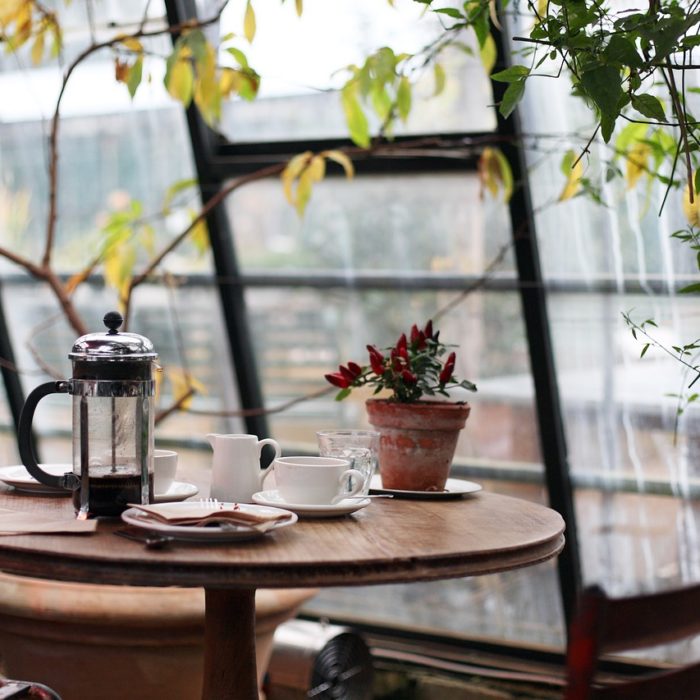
(236, 474)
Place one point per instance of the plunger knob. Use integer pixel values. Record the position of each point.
(113, 319)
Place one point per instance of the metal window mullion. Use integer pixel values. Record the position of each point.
(534, 306)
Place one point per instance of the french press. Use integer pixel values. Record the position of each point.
(112, 389)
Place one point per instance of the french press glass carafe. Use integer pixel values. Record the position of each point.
(112, 389)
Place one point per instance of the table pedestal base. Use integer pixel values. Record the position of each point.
(229, 645)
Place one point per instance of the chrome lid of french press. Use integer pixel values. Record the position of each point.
(113, 346)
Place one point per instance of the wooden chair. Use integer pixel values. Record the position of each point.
(607, 625)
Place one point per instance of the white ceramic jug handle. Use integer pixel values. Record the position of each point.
(278, 452)
(342, 480)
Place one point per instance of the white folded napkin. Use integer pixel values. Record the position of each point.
(199, 514)
(15, 522)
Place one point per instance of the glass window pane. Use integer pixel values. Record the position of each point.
(298, 96)
(433, 224)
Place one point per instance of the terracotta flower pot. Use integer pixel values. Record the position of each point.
(115, 642)
(417, 442)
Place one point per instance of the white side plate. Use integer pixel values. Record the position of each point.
(18, 477)
(454, 488)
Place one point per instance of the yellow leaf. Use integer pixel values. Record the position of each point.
(207, 94)
(342, 160)
(9, 10)
(119, 264)
(488, 53)
(132, 44)
(249, 22)
(38, 48)
(292, 171)
(199, 235)
(184, 385)
(304, 191)
(300, 7)
(637, 159)
(439, 74)
(181, 80)
(230, 81)
(317, 168)
(573, 182)
(691, 209)
(495, 173)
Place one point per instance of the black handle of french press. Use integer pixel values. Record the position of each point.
(24, 437)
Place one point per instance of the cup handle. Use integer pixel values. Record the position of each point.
(359, 483)
(278, 451)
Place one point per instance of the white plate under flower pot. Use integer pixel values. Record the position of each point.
(418, 441)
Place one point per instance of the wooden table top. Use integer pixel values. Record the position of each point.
(390, 541)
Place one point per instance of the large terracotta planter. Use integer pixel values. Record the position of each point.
(116, 642)
(417, 442)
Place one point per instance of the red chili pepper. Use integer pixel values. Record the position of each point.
(338, 380)
(398, 362)
(409, 377)
(428, 329)
(414, 333)
(355, 369)
(448, 369)
(345, 372)
(376, 360)
(402, 345)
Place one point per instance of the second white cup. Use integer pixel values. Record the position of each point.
(316, 480)
(164, 469)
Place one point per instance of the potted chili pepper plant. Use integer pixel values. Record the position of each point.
(418, 430)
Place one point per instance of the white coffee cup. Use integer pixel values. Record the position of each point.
(164, 468)
(316, 480)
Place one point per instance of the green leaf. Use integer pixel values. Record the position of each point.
(439, 75)
(403, 97)
(343, 393)
(354, 116)
(488, 54)
(511, 74)
(649, 106)
(511, 97)
(239, 56)
(450, 12)
(607, 126)
(621, 50)
(175, 189)
(644, 350)
(135, 73)
(603, 85)
(691, 288)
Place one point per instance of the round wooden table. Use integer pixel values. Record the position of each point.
(390, 541)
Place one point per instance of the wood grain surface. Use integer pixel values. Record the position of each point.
(390, 541)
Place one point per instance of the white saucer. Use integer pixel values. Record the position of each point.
(178, 491)
(454, 488)
(206, 533)
(348, 505)
(18, 477)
